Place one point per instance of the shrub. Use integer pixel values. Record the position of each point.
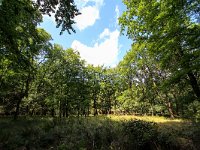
(138, 134)
(193, 111)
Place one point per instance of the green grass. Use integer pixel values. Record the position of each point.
(101, 132)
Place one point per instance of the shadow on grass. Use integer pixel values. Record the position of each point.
(183, 135)
(93, 133)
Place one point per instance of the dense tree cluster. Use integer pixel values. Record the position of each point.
(164, 62)
(159, 75)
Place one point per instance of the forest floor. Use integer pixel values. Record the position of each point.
(101, 132)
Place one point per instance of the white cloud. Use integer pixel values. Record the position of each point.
(104, 34)
(89, 14)
(87, 18)
(117, 13)
(103, 53)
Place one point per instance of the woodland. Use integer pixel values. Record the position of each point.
(50, 98)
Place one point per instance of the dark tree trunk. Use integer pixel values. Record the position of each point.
(95, 107)
(60, 110)
(21, 95)
(64, 111)
(27, 110)
(44, 111)
(67, 109)
(52, 112)
(194, 84)
(32, 112)
(17, 108)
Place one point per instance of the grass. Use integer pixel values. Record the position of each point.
(101, 132)
(162, 122)
(156, 119)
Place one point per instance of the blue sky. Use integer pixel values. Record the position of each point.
(97, 36)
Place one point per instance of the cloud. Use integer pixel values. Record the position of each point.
(89, 14)
(104, 34)
(101, 53)
(117, 13)
(88, 17)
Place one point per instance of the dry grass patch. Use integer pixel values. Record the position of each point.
(155, 119)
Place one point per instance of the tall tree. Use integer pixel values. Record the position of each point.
(172, 30)
(18, 72)
(21, 41)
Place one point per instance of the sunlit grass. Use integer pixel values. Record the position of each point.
(163, 122)
(155, 119)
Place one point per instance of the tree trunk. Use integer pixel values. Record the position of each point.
(169, 106)
(88, 111)
(152, 110)
(21, 95)
(67, 108)
(194, 84)
(27, 110)
(64, 109)
(177, 104)
(60, 110)
(95, 107)
(52, 112)
(17, 108)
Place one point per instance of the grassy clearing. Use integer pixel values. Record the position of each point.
(101, 133)
(155, 119)
(162, 122)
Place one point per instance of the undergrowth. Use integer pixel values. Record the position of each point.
(98, 133)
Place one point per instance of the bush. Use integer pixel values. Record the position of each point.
(138, 134)
(193, 111)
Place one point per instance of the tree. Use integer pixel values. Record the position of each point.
(94, 76)
(172, 31)
(107, 91)
(62, 84)
(21, 43)
(18, 23)
(18, 72)
(64, 12)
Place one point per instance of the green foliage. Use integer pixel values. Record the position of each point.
(64, 11)
(180, 137)
(193, 111)
(158, 76)
(162, 66)
(138, 134)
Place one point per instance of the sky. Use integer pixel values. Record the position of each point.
(97, 37)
